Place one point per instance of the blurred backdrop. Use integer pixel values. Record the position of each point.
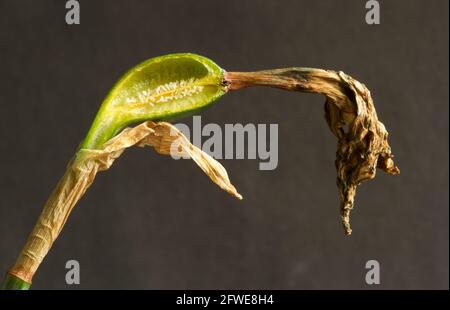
(154, 223)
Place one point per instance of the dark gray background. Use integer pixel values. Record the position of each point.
(154, 223)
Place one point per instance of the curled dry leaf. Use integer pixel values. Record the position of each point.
(81, 171)
(350, 113)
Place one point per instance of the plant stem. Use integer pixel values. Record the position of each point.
(12, 282)
(80, 174)
(362, 147)
(49, 224)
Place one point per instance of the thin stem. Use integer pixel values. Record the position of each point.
(51, 221)
(309, 80)
(12, 282)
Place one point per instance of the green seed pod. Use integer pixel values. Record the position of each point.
(160, 88)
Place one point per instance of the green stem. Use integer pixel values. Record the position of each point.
(14, 283)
